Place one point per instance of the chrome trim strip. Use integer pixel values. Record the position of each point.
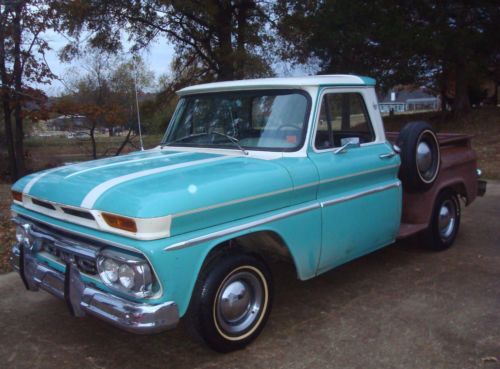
(359, 173)
(359, 194)
(255, 223)
(239, 228)
(250, 198)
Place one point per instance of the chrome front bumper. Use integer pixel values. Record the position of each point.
(82, 298)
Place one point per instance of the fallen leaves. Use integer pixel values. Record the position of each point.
(7, 232)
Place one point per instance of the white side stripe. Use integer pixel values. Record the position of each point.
(89, 200)
(124, 162)
(34, 180)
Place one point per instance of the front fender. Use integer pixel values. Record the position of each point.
(179, 267)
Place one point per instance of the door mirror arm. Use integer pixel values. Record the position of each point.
(342, 149)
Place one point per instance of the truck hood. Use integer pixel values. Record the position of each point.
(196, 189)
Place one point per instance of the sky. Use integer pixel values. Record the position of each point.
(158, 58)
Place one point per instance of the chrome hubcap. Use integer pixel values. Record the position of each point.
(424, 157)
(447, 219)
(235, 301)
(239, 302)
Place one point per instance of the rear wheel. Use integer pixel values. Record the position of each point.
(231, 302)
(445, 222)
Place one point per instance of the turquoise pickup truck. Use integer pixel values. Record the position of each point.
(299, 168)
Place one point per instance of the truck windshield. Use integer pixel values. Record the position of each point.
(245, 120)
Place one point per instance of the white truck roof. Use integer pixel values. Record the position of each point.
(284, 82)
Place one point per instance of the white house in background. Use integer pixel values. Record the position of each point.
(405, 100)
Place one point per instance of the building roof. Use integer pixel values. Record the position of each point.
(403, 96)
(285, 82)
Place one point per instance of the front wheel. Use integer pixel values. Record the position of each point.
(445, 222)
(231, 302)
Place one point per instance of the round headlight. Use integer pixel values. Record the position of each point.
(126, 275)
(109, 270)
(23, 236)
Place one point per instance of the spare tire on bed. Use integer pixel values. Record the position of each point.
(420, 156)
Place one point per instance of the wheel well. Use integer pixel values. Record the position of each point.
(459, 189)
(267, 245)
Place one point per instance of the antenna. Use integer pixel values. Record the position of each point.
(137, 106)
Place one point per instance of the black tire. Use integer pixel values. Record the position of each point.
(420, 156)
(210, 319)
(443, 229)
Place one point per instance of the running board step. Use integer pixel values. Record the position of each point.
(410, 229)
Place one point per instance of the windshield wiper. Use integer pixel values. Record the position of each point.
(183, 138)
(232, 139)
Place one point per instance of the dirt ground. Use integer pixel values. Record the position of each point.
(6, 227)
(401, 307)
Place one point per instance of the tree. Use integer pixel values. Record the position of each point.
(128, 82)
(158, 111)
(361, 37)
(463, 45)
(105, 95)
(448, 45)
(214, 39)
(22, 22)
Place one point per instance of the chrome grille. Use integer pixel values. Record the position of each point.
(64, 249)
(85, 265)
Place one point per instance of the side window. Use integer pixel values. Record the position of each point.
(343, 118)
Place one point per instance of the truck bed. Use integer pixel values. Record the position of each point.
(458, 171)
(445, 139)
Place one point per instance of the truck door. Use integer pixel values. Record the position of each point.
(359, 190)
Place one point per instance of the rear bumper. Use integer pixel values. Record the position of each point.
(83, 299)
(481, 183)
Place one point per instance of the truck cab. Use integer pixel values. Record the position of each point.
(299, 168)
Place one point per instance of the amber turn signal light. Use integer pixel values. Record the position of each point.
(18, 196)
(117, 221)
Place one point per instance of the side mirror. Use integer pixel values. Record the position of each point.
(342, 149)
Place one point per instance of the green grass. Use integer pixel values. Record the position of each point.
(47, 152)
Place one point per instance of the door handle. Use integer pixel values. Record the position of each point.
(388, 155)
